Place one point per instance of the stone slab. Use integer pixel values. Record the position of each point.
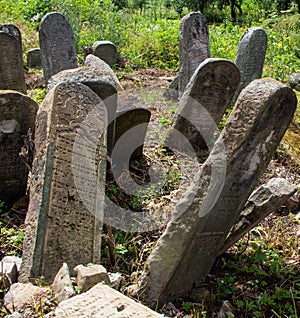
(106, 51)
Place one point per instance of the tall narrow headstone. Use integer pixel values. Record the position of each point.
(250, 56)
(203, 105)
(65, 213)
(57, 44)
(106, 51)
(205, 214)
(193, 46)
(17, 115)
(11, 64)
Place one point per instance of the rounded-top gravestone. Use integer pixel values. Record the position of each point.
(106, 51)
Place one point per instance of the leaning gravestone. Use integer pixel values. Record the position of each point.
(101, 83)
(205, 214)
(11, 64)
(106, 51)
(203, 104)
(17, 115)
(250, 56)
(57, 44)
(193, 46)
(65, 213)
(34, 58)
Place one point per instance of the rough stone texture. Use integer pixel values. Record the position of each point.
(17, 115)
(294, 81)
(14, 315)
(19, 294)
(203, 104)
(102, 84)
(94, 61)
(102, 301)
(106, 51)
(14, 31)
(62, 284)
(34, 59)
(193, 46)
(64, 218)
(57, 44)
(212, 204)
(250, 56)
(267, 198)
(89, 276)
(116, 280)
(172, 91)
(11, 63)
(131, 128)
(9, 268)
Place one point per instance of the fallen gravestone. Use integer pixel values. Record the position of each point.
(57, 44)
(250, 56)
(106, 51)
(193, 46)
(102, 84)
(204, 215)
(11, 63)
(203, 105)
(64, 217)
(17, 115)
(34, 58)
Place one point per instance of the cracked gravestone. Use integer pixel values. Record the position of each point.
(65, 213)
(17, 115)
(204, 215)
(57, 44)
(203, 104)
(193, 46)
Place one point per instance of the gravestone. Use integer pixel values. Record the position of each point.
(131, 128)
(101, 83)
(106, 51)
(11, 64)
(34, 58)
(204, 215)
(250, 56)
(13, 30)
(193, 46)
(64, 217)
(203, 105)
(57, 44)
(17, 115)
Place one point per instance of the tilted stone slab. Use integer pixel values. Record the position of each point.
(57, 44)
(64, 217)
(11, 63)
(17, 115)
(203, 105)
(193, 46)
(106, 51)
(101, 83)
(203, 217)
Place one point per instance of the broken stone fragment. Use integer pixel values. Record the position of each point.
(9, 268)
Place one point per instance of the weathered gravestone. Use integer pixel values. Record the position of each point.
(203, 104)
(17, 115)
(11, 63)
(250, 56)
(294, 81)
(34, 58)
(101, 83)
(57, 44)
(106, 51)
(205, 214)
(65, 213)
(193, 46)
(14, 31)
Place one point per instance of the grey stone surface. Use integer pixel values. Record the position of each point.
(203, 104)
(294, 81)
(106, 51)
(57, 44)
(11, 63)
(64, 218)
(116, 280)
(34, 59)
(62, 284)
(9, 268)
(102, 84)
(193, 46)
(94, 61)
(212, 204)
(14, 315)
(89, 276)
(17, 115)
(250, 56)
(266, 199)
(102, 301)
(14, 31)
